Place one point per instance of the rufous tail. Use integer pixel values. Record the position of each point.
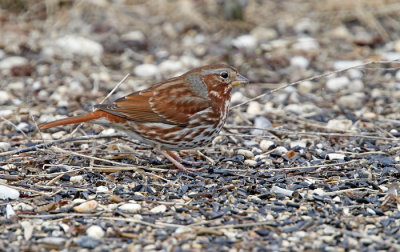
(73, 120)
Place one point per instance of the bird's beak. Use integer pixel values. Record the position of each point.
(240, 79)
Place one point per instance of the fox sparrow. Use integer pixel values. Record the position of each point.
(180, 113)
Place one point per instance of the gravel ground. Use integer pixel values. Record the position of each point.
(308, 160)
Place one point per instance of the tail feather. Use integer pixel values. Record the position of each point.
(73, 120)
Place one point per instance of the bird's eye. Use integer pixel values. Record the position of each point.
(224, 75)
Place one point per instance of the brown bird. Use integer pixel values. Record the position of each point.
(184, 112)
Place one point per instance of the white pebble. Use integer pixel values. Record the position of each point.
(108, 132)
(246, 153)
(339, 124)
(23, 126)
(319, 191)
(338, 83)
(130, 208)
(305, 87)
(355, 74)
(8, 193)
(5, 146)
(237, 97)
(250, 162)
(22, 207)
(262, 123)
(306, 44)
(336, 156)
(353, 101)
(9, 211)
(28, 229)
(58, 134)
(279, 190)
(6, 112)
(133, 36)
(265, 145)
(159, 209)
(343, 64)
(356, 86)
(76, 179)
(170, 66)
(72, 45)
(146, 70)
(298, 143)
(398, 75)
(281, 150)
(101, 189)
(245, 42)
(4, 97)
(12, 61)
(95, 232)
(86, 206)
(254, 108)
(299, 61)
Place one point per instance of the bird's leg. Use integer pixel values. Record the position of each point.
(177, 163)
(181, 160)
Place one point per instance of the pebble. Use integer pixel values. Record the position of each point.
(353, 101)
(263, 34)
(87, 242)
(338, 83)
(245, 42)
(86, 207)
(397, 75)
(73, 45)
(8, 193)
(13, 61)
(76, 179)
(23, 207)
(95, 232)
(5, 146)
(306, 44)
(28, 229)
(355, 74)
(136, 36)
(339, 124)
(301, 144)
(281, 150)
(158, 209)
(305, 87)
(356, 86)
(58, 134)
(265, 145)
(336, 156)
(344, 64)
(9, 211)
(237, 97)
(4, 97)
(248, 154)
(52, 241)
(261, 122)
(254, 108)
(390, 56)
(250, 162)
(299, 61)
(170, 66)
(130, 208)
(146, 70)
(6, 112)
(107, 132)
(23, 126)
(279, 190)
(101, 189)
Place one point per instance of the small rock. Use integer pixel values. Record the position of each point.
(263, 34)
(355, 74)
(338, 83)
(390, 56)
(369, 115)
(76, 179)
(353, 101)
(146, 70)
(397, 75)
(102, 189)
(108, 132)
(337, 124)
(279, 190)
(158, 209)
(254, 108)
(73, 45)
(130, 208)
(356, 86)
(28, 229)
(170, 66)
(250, 162)
(306, 44)
(86, 207)
(9, 211)
(281, 150)
(58, 134)
(237, 97)
(344, 64)
(336, 156)
(248, 154)
(5, 146)
(299, 143)
(52, 241)
(245, 42)
(136, 36)
(265, 145)
(305, 87)
(8, 193)
(262, 123)
(95, 232)
(87, 242)
(13, 61)
(6, 112)
(23, 126)
(23, 207)
(4, 97)
(299, 61)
